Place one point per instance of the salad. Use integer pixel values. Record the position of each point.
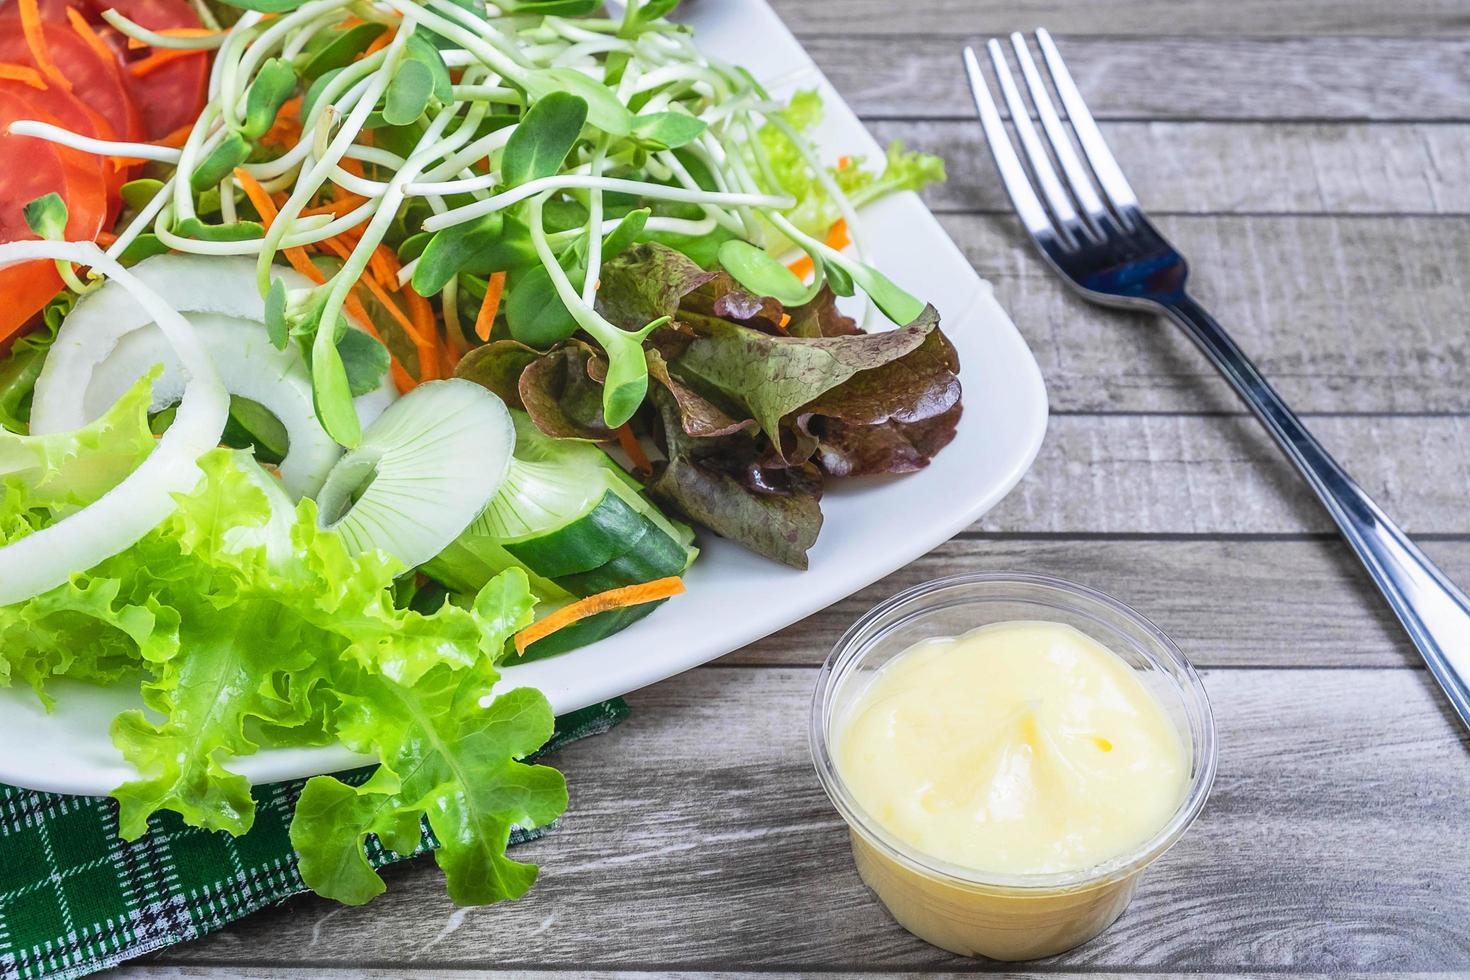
(353, 348)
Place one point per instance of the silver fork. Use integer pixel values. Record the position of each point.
(1089, 227)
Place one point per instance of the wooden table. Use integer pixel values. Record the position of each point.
(1313, 160)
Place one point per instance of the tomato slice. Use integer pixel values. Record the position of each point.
(95, 81)
(172, 95)
(30, 168)
(71, 113)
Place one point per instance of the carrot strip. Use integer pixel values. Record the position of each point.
(490, 306)
(424, 345)
(87, 33)
(35, 35)
(633, 448)
(23, 74)
(159, 58)
(384, 265)
(836, 238)
(843, 162)
(177, 138)
(628, 595)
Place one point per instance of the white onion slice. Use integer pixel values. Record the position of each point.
(425, 469)
(107, 342)
(116, 520)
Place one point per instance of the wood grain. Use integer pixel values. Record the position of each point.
(1361, 314)
(1237, 603)
(1166, 474)
(1318, 78)
(489, 973)
(698, 838)
(1214, 168)
(1113, 17)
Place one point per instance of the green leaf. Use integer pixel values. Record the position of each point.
(413, 246)
(137, 193)
(220, 163)
(758, 271)
(447, 759)
(365, 360)
(667, 130)
(253, 426)
(452, 250)
(273, 86)
(144, 246)
(408, 94)
(331, 392)
(604, 109)
(314, 91)
(838, 278)
(534, 312)
(275, 314)
(421, 50)
(238, 231)
(621, 238)
(340, 51)
(543, 139)
(46, 216)
(896, 304)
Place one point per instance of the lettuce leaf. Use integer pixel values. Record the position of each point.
(815, 212)
(250, 625)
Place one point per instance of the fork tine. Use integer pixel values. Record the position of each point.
(1109, 174)
(1012, 173)
(1078, 178)
(1041, 166)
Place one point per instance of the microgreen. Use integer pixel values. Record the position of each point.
(273, 86)
(545, 136)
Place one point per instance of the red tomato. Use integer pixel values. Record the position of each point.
(96, 82)
(169, 97)
(76, 116)
(30, 168)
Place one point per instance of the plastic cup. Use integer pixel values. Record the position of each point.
(978, 913)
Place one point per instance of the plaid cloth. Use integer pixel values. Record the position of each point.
(74, 898)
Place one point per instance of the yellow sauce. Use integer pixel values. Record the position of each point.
(1017, 749)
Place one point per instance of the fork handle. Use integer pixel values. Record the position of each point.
(1434, 611)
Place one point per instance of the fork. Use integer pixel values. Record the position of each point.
(1089, 227)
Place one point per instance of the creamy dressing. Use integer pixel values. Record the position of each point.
(1017, 748)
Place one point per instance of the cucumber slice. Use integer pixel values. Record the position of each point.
(577, 525)
(424, 470)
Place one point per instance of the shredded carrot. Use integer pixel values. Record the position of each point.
(423, 344)
(159, 58)
(286, 130)
(135, 44)
(490, 306)
(836, 238)
(379, 43)
(177, 138)
(384, 266)
(23, 74)
(843, 162)
(628, 595)
(35, 35)
(785, 320)
(630, 444)
(87, 33)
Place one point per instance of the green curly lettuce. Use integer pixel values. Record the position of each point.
(815, 211)
(250, 626)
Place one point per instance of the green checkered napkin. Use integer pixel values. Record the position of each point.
(74, 898)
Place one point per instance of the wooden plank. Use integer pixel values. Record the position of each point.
(479, 973)
(1351, 78)
(1343, 314)
(1159, 474)
(1210, 168)
(699, 839)
(1259, 18)
(1237, 603)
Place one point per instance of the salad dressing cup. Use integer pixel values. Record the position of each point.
(979, 913)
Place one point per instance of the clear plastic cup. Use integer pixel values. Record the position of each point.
(1005, 916)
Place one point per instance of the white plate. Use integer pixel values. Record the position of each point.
(873, 526)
